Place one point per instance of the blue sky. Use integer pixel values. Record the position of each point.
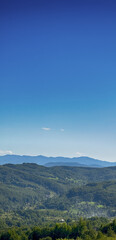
(58, 78)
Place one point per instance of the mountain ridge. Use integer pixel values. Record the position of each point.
(83, 161)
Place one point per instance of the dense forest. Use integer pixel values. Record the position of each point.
(31, 194)
(92, 229)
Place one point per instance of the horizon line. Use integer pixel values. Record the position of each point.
(26, 155)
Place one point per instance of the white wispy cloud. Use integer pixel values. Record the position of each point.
(78, 154)
(5, 152)
(62, 129)
(46, 128)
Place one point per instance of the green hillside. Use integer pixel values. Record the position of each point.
(29, 192)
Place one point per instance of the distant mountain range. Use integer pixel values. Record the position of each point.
(55, 161)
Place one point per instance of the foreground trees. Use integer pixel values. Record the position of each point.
(82, 230)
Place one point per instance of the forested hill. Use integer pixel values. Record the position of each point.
(72, 189)
(33, 173)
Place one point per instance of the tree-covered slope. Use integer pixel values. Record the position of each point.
(102, 193)
(74, 189)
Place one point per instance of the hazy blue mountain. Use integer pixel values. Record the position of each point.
(70, 164)
(55, 161)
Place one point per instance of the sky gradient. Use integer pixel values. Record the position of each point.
(58, 78)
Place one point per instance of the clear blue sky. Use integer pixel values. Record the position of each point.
(58, 78)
